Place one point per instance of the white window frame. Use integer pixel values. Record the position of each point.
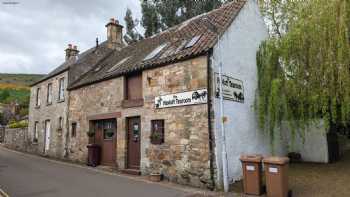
(49, 93)
(38, 99)
(36, 129)
(61, 89)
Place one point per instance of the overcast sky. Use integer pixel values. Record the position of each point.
(34, 33)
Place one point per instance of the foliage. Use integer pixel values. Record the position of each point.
(9, 95)
(304, 73)
(20, 80)
(131, 33)
(159, 15)
(20, 124)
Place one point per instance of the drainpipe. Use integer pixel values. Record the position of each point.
(210, 130)
(223, 135)
(222, 123)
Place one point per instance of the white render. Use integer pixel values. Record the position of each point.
(312, 144)
(237, 51)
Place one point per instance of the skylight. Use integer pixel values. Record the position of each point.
(192, 42)
(155, 52)
(118, 64)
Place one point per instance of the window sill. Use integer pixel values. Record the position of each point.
(35, 143)
(60, 101)
(132, 103)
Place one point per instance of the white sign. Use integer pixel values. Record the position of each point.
(181, 99)
(250, 168)
(273, 170)
(232, 88)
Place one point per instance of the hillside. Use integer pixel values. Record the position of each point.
(15, 81)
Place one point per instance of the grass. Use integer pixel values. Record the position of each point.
(20, 80)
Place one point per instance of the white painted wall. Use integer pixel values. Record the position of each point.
(311, 144)
(238, 47)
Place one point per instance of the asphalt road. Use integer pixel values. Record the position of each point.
(25, 176)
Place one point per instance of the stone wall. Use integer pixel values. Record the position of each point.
(184, 156)
(50, 112)
(18, 139)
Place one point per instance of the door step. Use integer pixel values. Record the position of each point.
(132, 171)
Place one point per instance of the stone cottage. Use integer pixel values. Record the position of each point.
(154, 105)
(48, 109)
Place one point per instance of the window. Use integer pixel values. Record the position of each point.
(157, 131)
(192, 42)
(74, 129)
(155, 52)
(38, 101)
(60, 123)
(35, 132)
(49, 93)
(108, 130)
(134, 87)
(61, 90)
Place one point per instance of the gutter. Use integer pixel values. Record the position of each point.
(210, 129)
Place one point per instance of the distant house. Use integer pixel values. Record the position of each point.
(153, 104)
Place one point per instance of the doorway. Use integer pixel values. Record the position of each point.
(47, 136)
(133, 148)
(105, 131)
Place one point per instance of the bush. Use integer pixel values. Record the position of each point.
(20, 124)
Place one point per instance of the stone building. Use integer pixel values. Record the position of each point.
(153, 105)
(49, 98)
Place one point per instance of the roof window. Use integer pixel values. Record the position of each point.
(118, 64)
(192, 42)
(155, 52)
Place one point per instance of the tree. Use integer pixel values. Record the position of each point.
(131, 33)
(304, 72)
(159, 15)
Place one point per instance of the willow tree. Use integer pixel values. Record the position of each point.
(304, 73)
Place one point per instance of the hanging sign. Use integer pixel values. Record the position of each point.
(181, 99)
(232, 88)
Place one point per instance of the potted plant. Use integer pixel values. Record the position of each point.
(109, 133)
(90, 134)
(156, 138)
(155, 176)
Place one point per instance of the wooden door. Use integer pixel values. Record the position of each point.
(106, 138)
(134, 137)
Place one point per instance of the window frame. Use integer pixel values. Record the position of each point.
(61, 90)
(49, 94)
(160, 129)
(35, 132)
(38, 99)
(74, 126)
(126, 92)
(60, 123)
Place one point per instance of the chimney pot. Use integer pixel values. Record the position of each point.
(71, 51)
(114, 34)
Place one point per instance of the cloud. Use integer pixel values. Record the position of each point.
(34, 34)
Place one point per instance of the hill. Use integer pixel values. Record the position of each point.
(15, 81)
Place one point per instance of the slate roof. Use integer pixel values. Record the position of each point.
(79, 66)
(132, 57)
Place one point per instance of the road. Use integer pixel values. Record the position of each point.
(24, 175)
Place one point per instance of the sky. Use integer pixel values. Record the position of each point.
(35, 33)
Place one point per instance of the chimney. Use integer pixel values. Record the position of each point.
(71, 51)
(114, 34)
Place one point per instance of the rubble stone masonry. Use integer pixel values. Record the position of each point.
(184, 156)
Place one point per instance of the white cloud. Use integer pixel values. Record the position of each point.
(34, 34)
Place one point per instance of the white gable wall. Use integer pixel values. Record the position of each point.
(238, 47)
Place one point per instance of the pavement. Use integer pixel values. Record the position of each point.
(23, 175)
